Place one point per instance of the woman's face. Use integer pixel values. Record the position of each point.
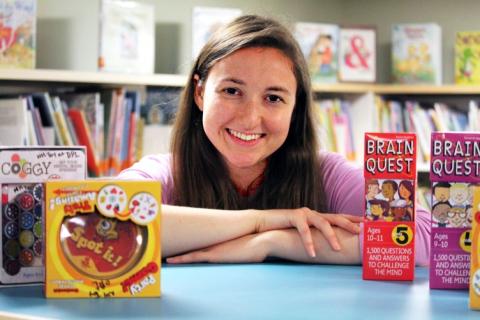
(247, 102)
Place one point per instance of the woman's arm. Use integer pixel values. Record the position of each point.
(185, 229)
(284, 244)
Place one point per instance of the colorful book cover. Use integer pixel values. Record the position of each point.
(389, 222)
(319, 44)
(84, 137)
(454, 171)
(467, 57)
(417, 53)
(127, 37)
(18, 20)
(357, 57)
(205, 21)
(475, 253)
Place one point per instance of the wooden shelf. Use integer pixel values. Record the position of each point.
(447, 89)
(86, 77)
(175, 80)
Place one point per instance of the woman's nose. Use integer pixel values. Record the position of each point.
(250, 114)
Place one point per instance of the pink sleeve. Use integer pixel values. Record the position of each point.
(344, 187)
(153, 167)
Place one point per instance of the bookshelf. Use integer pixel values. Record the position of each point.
(87, 77)
(176, 80)
(361, 95)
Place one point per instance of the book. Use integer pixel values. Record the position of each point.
(357, 55)
(474, 286)
(127, 37)
(90, 103)
(161, 105)
(14, 122)
(467, 57)
(389, 221)
(454, 171)
(205, 21)
(84, 137)
(319, 44)
(18, 33)
(417, 53)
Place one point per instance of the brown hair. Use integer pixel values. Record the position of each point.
(291, 179)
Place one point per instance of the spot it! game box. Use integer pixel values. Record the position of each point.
(103, 239)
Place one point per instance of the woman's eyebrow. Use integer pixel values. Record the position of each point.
(234, 80)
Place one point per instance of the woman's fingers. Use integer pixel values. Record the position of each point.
(303, 229)
(343, 221)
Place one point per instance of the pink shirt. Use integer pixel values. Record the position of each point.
(343, 183)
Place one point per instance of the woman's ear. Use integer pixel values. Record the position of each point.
(198, 91)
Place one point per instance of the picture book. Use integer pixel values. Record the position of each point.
(13, 122)
(357, 55)
(103, 239)
(18, 20)
(23, 172)
(389, 222)
(475, 253)
(467, 57)
(319, 44)
(205, 21)
(127, 37)
(454, 171)
(417, 53)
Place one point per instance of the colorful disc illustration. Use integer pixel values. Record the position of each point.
(111, 201)
(143, 208)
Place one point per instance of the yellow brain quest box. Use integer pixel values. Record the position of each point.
(102, 239)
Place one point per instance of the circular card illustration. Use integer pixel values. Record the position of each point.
(111, 201)
(100, 247)
(143, 208)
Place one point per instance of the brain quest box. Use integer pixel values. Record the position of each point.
(389, 220)
(103, 239)
(23, 172)
(454, 173)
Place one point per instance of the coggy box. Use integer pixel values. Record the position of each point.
(23, 172)
(103, 239)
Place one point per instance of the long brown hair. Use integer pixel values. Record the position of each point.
(291, 179)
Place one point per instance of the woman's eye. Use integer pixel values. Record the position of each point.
(231, 91)
(274, 98)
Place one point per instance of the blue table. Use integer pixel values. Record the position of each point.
(259, 291)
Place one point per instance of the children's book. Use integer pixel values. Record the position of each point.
(454, 171)
(467, 57)
(319, 44)
(13, 122)
(18, 33)
(417, 53)
(127, 37)
(475, 254)
(205, 21)
(356, 57)
(389, 221)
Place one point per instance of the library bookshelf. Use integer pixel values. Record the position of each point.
(361, 96)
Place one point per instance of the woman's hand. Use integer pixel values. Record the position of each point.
(250, 248)
(303, 218)
(285, 244)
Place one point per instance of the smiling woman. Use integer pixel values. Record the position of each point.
(244, 150)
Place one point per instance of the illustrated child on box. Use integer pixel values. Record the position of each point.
(244, 142)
